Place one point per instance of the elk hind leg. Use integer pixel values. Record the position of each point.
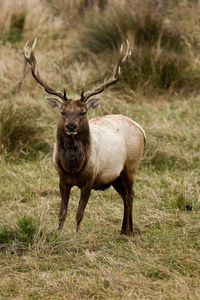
(124, 189)
(128, 183)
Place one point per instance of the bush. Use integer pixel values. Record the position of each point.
(161, 57)
(16, 29)
(19, 131)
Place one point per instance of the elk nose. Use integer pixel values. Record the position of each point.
(71, 127)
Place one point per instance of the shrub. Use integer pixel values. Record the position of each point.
(19, 18)
(72, 9)
(161, 56)
(19, 131)
(16, 27)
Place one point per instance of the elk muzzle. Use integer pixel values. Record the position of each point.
(71, 128)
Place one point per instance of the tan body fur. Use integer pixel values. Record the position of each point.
(116, 143)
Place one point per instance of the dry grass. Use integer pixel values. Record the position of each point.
(164, 47)
(17, 21)
(162, 260)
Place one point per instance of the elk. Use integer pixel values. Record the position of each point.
(93, 154)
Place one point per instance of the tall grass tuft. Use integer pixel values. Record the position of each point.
(73, 10)
(26, 229)
(20, 134)
(23, 19)
(19, 237)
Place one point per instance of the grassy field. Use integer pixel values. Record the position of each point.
(78, 42)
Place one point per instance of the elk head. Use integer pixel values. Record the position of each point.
(73, 112)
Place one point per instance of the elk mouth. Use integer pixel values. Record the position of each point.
(71, 132)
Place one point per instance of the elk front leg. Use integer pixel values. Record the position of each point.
(85, 194)
(64, 191)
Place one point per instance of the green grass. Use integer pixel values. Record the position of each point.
(18, 238)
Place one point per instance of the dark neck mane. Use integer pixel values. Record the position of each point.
(73, 150)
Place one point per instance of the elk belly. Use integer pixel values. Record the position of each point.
(110, 167)
(107, 174)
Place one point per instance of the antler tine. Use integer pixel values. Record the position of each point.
(26, 52)
(121, 49)
(114, 77)
(28, 58)
(128, 54)
(34, 43)
(34, 69)
(65, 96)
(82, 93)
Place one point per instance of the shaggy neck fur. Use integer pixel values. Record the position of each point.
(73, 150)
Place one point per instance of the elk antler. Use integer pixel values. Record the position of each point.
(34, 68)
(114, 77)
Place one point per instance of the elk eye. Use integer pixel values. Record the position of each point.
(62, 113)
(83, 113)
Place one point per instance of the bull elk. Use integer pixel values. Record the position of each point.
(93, 154)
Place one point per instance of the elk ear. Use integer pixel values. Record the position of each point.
(93, 103)
(55, 103)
